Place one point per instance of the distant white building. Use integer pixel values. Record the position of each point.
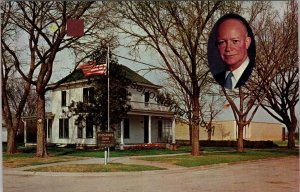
(146, 122)
(227, 130)
(4, 133)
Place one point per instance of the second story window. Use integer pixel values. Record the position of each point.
(147, 99)
(88, 94)
(63, 98)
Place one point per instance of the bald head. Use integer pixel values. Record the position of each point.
(232, 24)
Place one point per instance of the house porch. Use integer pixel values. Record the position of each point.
(143, 129)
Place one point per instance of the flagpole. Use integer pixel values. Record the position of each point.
(106, 152)
(108, 117)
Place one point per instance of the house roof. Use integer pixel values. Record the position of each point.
(77, 75)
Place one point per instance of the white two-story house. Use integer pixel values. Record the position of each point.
(147, 122)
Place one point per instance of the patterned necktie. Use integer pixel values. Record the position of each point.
(228, 81)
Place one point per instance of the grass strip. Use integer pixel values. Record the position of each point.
(21, 160)
(210, 158)
(111, 167)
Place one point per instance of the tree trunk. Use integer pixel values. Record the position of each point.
(41, 147)
(195, 140)
(240, 140)
(195, 127)
(209, 132)
(11, 140)
(190, 132)
(292, 129)
(291, 139)
(11, 132)
(8, 120)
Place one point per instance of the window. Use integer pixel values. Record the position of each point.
(63, 128)
(49, 132)
(89, 127)
(79, 124)
(126, 128)
(147, 99)
(160, 130)
(147, 96)
(48, 128)
(63, 98)
(88, 95)
(79, 131)
(167, 130)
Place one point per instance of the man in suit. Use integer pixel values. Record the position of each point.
(232, 41)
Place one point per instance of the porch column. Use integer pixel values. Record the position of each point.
(173, 131)
(149, 129)
(46, 128)
(122, 132)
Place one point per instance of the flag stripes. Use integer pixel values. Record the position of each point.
(91, 68)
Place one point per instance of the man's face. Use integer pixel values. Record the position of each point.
(233, 42)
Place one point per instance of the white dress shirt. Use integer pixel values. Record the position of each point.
(238, 72)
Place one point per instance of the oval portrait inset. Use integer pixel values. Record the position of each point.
(231, 51)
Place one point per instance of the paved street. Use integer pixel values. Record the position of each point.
(264, 175)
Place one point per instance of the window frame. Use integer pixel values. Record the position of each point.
(63, 128)
(88, 94)
(89, 128)
(63, 98)
(126, 128)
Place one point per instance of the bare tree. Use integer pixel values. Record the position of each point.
(12, 111)
(178, 31)
(251, 96)
(183, 102)
(212, 106)
(15, 91)
(45, 25)
(278, 43)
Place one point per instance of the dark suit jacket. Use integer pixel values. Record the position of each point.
(220, 77)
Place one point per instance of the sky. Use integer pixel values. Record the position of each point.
(150, 57)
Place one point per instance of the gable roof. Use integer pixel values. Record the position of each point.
(77, 75)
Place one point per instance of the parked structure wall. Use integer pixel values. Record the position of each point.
(227, 130)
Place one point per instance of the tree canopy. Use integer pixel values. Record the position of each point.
(95, 106)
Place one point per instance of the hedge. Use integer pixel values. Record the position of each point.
(230, 143)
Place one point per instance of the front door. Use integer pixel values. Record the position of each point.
(146, 129)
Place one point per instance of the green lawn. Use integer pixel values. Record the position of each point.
(210, 155)
(217, 157)
(26, 156)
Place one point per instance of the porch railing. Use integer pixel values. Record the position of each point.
(148, 106)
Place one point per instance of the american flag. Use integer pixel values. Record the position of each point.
(91, 68)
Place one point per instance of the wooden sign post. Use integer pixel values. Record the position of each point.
(106, 140)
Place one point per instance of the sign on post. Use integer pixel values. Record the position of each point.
(106, 139)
